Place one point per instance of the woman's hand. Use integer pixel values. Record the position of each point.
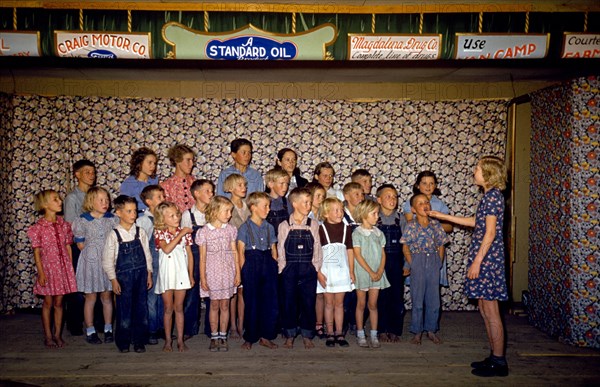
(436, 214)
(42, 279)
(473, 271)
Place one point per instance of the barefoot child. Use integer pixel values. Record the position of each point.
(336, 276)
(90, 231)
(256, 244)
(219, 268)
(174, 268)
(423, 245)
(51, 238)
(299, 259)
(127, 261)
(369, 268)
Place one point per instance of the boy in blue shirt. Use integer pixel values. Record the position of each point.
(278, 182)
(241, 152)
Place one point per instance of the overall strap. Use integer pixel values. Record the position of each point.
(326, 233)
(119, 239)
(285, 204)
(137, 232)
(251, 234)
(192, 217)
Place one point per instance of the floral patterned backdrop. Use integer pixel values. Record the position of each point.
(394, 140)
(563, 258)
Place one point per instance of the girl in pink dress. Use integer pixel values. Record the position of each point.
(51, 238)
(219, 267)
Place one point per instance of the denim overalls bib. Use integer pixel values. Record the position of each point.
(131, 254)
(275, 217)
(299, 244)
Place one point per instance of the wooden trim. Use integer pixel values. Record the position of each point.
(331, 7)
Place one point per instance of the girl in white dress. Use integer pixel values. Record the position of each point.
(175, 268)
(336, 276)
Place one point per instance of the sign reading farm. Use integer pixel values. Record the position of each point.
(501, 46)
(102, 45)
(25, 43)
(580, 45)
(248, 43)
(394, 47)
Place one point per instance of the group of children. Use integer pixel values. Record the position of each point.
(301, 258)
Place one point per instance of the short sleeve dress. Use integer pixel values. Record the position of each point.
(52, 238)
(220, 261)
(371, 243)
(491, 283)
(90, 275)
(173, 267)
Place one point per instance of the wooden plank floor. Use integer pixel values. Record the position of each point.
(534, 359)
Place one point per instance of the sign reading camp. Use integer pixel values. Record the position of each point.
(251, 48)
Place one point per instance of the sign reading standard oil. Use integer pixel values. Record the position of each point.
(248, 43)
(501, 46)
(102, 45)
(394, 47)
(24, 43)
(580, 45)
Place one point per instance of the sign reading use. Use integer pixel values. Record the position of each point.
(501, 46)
(248, 43)
(580, 45)
(14, 43)
(102, 45)
(394, 47)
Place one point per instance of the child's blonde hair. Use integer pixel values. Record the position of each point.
(275, 174)
(494, 172)
(214, 207)
(232, 180)
(363, 208)
(90, 196)
(351, 187)
(159, 214)
(255, 197)
(326, 206)
(40, 200)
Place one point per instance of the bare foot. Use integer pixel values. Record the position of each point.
(233, 334)
(60, 343)
(393, 338)
(433, 337)
(181, 346)
(289, 343)
(247, 346)
(416, 339)
(267, 343)
(49, 343)
(308, 343)
(168, 346)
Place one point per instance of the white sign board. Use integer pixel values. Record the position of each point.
(580, 45)
(394, 47)
(14, 43)
(107, 45)
(501, 46)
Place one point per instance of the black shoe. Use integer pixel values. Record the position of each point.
(124, 350)
(139, 348)
(108, 337)
(93, 339)
(152, 339)
(483, 363)
(330, 342)
(341, 341)
(491, 369)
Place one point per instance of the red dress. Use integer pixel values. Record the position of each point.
(52, 238)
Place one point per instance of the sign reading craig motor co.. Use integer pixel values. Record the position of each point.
(102, 45)
(394, 47)
(501, 46)
(580, 45)
(248, 43)
(26, 43)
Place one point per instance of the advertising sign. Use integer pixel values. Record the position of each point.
(248, 43)
(580, 45)
(102, 45)
(394, 47)
(15, 43)
(501, 46)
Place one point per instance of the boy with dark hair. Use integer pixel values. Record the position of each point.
(241, 152)
(364, 178)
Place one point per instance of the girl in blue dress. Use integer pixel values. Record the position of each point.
(486, 279)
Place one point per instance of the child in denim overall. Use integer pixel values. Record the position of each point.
(257, 252)
(300, 258)
(280, 208)
(391, 300)
(128, 264)
(202, 191)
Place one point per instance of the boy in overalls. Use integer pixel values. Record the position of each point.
(280, 210)
(127, 262)
(391, 300)
(299, 259)
(257, 252)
